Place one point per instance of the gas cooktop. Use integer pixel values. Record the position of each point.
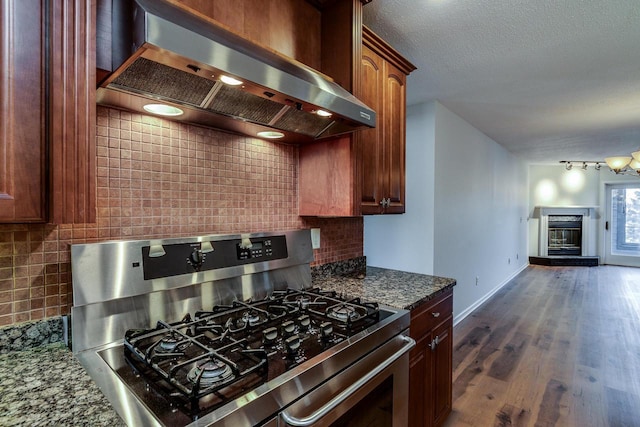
(216, 330)
(201, 363)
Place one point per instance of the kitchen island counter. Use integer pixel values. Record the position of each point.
(394, 288)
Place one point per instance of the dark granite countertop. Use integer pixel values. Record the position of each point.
(47, 386)
(394, 288)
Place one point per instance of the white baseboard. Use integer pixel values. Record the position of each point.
(457, 319)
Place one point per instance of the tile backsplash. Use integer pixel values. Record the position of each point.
(157, 178)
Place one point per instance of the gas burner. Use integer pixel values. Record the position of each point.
(302, 301)
(171, 344)
(168, 344)
(343, 313)
(298, 299)
(210, 373)
(247, 319)
(252, 318)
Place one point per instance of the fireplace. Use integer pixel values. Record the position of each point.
(564, 235)
(566, 231)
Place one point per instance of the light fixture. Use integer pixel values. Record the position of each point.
(230, 80)
(270, 134)
(635, 165)
(163, 110)
(620, 165)
(323, 113)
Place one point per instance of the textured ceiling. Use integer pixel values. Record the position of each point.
(547, 79)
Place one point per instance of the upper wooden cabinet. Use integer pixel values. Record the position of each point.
(383, 149)
(369, 176)
(47, 111)
(23, 143)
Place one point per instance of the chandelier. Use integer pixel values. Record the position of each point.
(620, 165)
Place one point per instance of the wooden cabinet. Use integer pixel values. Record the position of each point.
(382, 149)
(47, 111)
(23, 140)
(328, 183)
(367, 174)
(430, 366)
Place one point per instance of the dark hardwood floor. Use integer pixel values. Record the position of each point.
(557, 346)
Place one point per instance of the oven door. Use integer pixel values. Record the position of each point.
(371, 392)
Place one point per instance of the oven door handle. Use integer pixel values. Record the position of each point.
(344, 394)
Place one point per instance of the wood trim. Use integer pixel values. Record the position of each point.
(374, 42)
(73, 111)
(341, 43)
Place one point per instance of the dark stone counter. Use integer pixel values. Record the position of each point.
(394, 288)
(47, 386)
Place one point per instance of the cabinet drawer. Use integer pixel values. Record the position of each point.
(430, 314)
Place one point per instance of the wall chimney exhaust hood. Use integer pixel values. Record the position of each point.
(162, 53)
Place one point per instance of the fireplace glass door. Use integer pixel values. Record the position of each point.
(565, 235)
(564, 241)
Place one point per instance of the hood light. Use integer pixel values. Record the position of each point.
(269, 134)
(163, 110)
(323, 113)
(230, 80)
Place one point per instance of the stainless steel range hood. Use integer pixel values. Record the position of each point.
(163, 53)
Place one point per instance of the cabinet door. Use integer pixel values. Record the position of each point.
(442, 367)
(420, 383)
(371, 140)
(393, 138)
(22, 107)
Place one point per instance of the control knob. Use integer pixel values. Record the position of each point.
(196, 259)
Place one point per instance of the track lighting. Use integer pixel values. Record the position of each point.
(621, 165)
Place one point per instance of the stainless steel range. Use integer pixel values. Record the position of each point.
(227, 330)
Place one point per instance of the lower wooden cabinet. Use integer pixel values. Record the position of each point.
(430, 366)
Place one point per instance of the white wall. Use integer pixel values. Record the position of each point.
(405, 242)
(469, 196)
(480, 211)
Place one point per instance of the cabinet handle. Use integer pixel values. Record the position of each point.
(435, 314)
(434, 343)
(385, 202)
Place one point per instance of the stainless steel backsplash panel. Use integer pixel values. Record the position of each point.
(110, 293)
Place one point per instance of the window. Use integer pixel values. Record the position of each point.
(625, 221)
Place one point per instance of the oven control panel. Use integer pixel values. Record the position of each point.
(182, 258)
(255, 250)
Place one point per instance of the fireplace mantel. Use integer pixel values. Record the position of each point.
(566, 207)
(544, 211)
